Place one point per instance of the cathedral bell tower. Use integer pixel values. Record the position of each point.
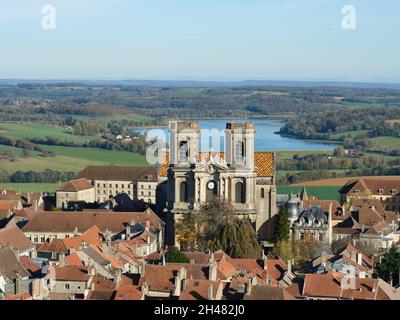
(184, 143)
(239, 145)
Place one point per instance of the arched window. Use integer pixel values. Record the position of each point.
(240, 195)
(262, 193)
(239, 151)
(183, 151)
(183, 192)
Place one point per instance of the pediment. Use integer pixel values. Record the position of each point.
(210, 168)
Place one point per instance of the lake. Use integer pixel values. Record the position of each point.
(265, 139)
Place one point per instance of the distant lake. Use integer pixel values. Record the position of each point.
(265, 139)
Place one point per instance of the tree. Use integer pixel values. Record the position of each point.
(215, 226)
(238, 239)
(304, 250)
(282, 231)
(388, 267)
(284, 250)
(175, 255)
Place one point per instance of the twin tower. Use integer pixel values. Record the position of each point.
(238, 148)
(237, 175)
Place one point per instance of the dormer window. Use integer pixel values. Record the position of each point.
(356, 191)
(380, 191)
(394, 192)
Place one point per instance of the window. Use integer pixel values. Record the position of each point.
(149, 194)
(239, 151)
(36, 239)
(66, 286)
(262, 193)
(53, 255)
(116, 185)
(301, 236)
(149, 186)
(122, 186)
(394, 191)
(183, 151)
(42, 239)
(380, 191)
(183, 192)
(240, 196)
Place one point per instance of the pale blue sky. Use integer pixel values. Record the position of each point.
(201, 40)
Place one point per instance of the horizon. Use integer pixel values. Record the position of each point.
(228, 41)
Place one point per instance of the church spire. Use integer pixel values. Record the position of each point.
(304, 195)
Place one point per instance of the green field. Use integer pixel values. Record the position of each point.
(72, 159)
(288, 155)
(322, 193)
(349, 133)
(25, 130)
(30, 187)
(387, 142)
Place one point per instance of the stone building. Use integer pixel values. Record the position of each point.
(383, 189)
(139, 183)
(239, 175)
(80, 190)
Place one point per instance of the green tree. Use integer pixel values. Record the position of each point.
(282, 231)
(388, 267)
(284, 250)
(238, 239)
(175, 255)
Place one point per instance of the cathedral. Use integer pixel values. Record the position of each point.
(238, 175)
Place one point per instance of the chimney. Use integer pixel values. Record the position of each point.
(210, 292)
(117, 277)
(17, 285)
(178, 282)
(147, 225)
(353, 256)
(145, 288)
(248, 287)
(148, 239)
(128, 232)
(61, 259)
(212, 269)
(75, 231)
(289, 266)
(265, 258)
(359, 258)
(184, 284)
(330, 226)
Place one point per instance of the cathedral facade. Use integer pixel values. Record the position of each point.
(239, 175)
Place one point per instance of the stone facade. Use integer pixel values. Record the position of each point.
(195, 178)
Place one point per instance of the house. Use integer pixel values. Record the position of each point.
(348, 259)
(267, 292)
(73, 191)
(336, 287)
(129, 292)
(140, 183)
(14, 279)
(366, 221)
(70, 281)
(46, 226)
(12, 236)
(385, 190)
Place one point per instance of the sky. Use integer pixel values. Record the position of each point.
(201, 40)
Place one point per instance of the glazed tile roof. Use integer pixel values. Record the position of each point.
(263, 161)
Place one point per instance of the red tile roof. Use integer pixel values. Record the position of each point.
(76, 185)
